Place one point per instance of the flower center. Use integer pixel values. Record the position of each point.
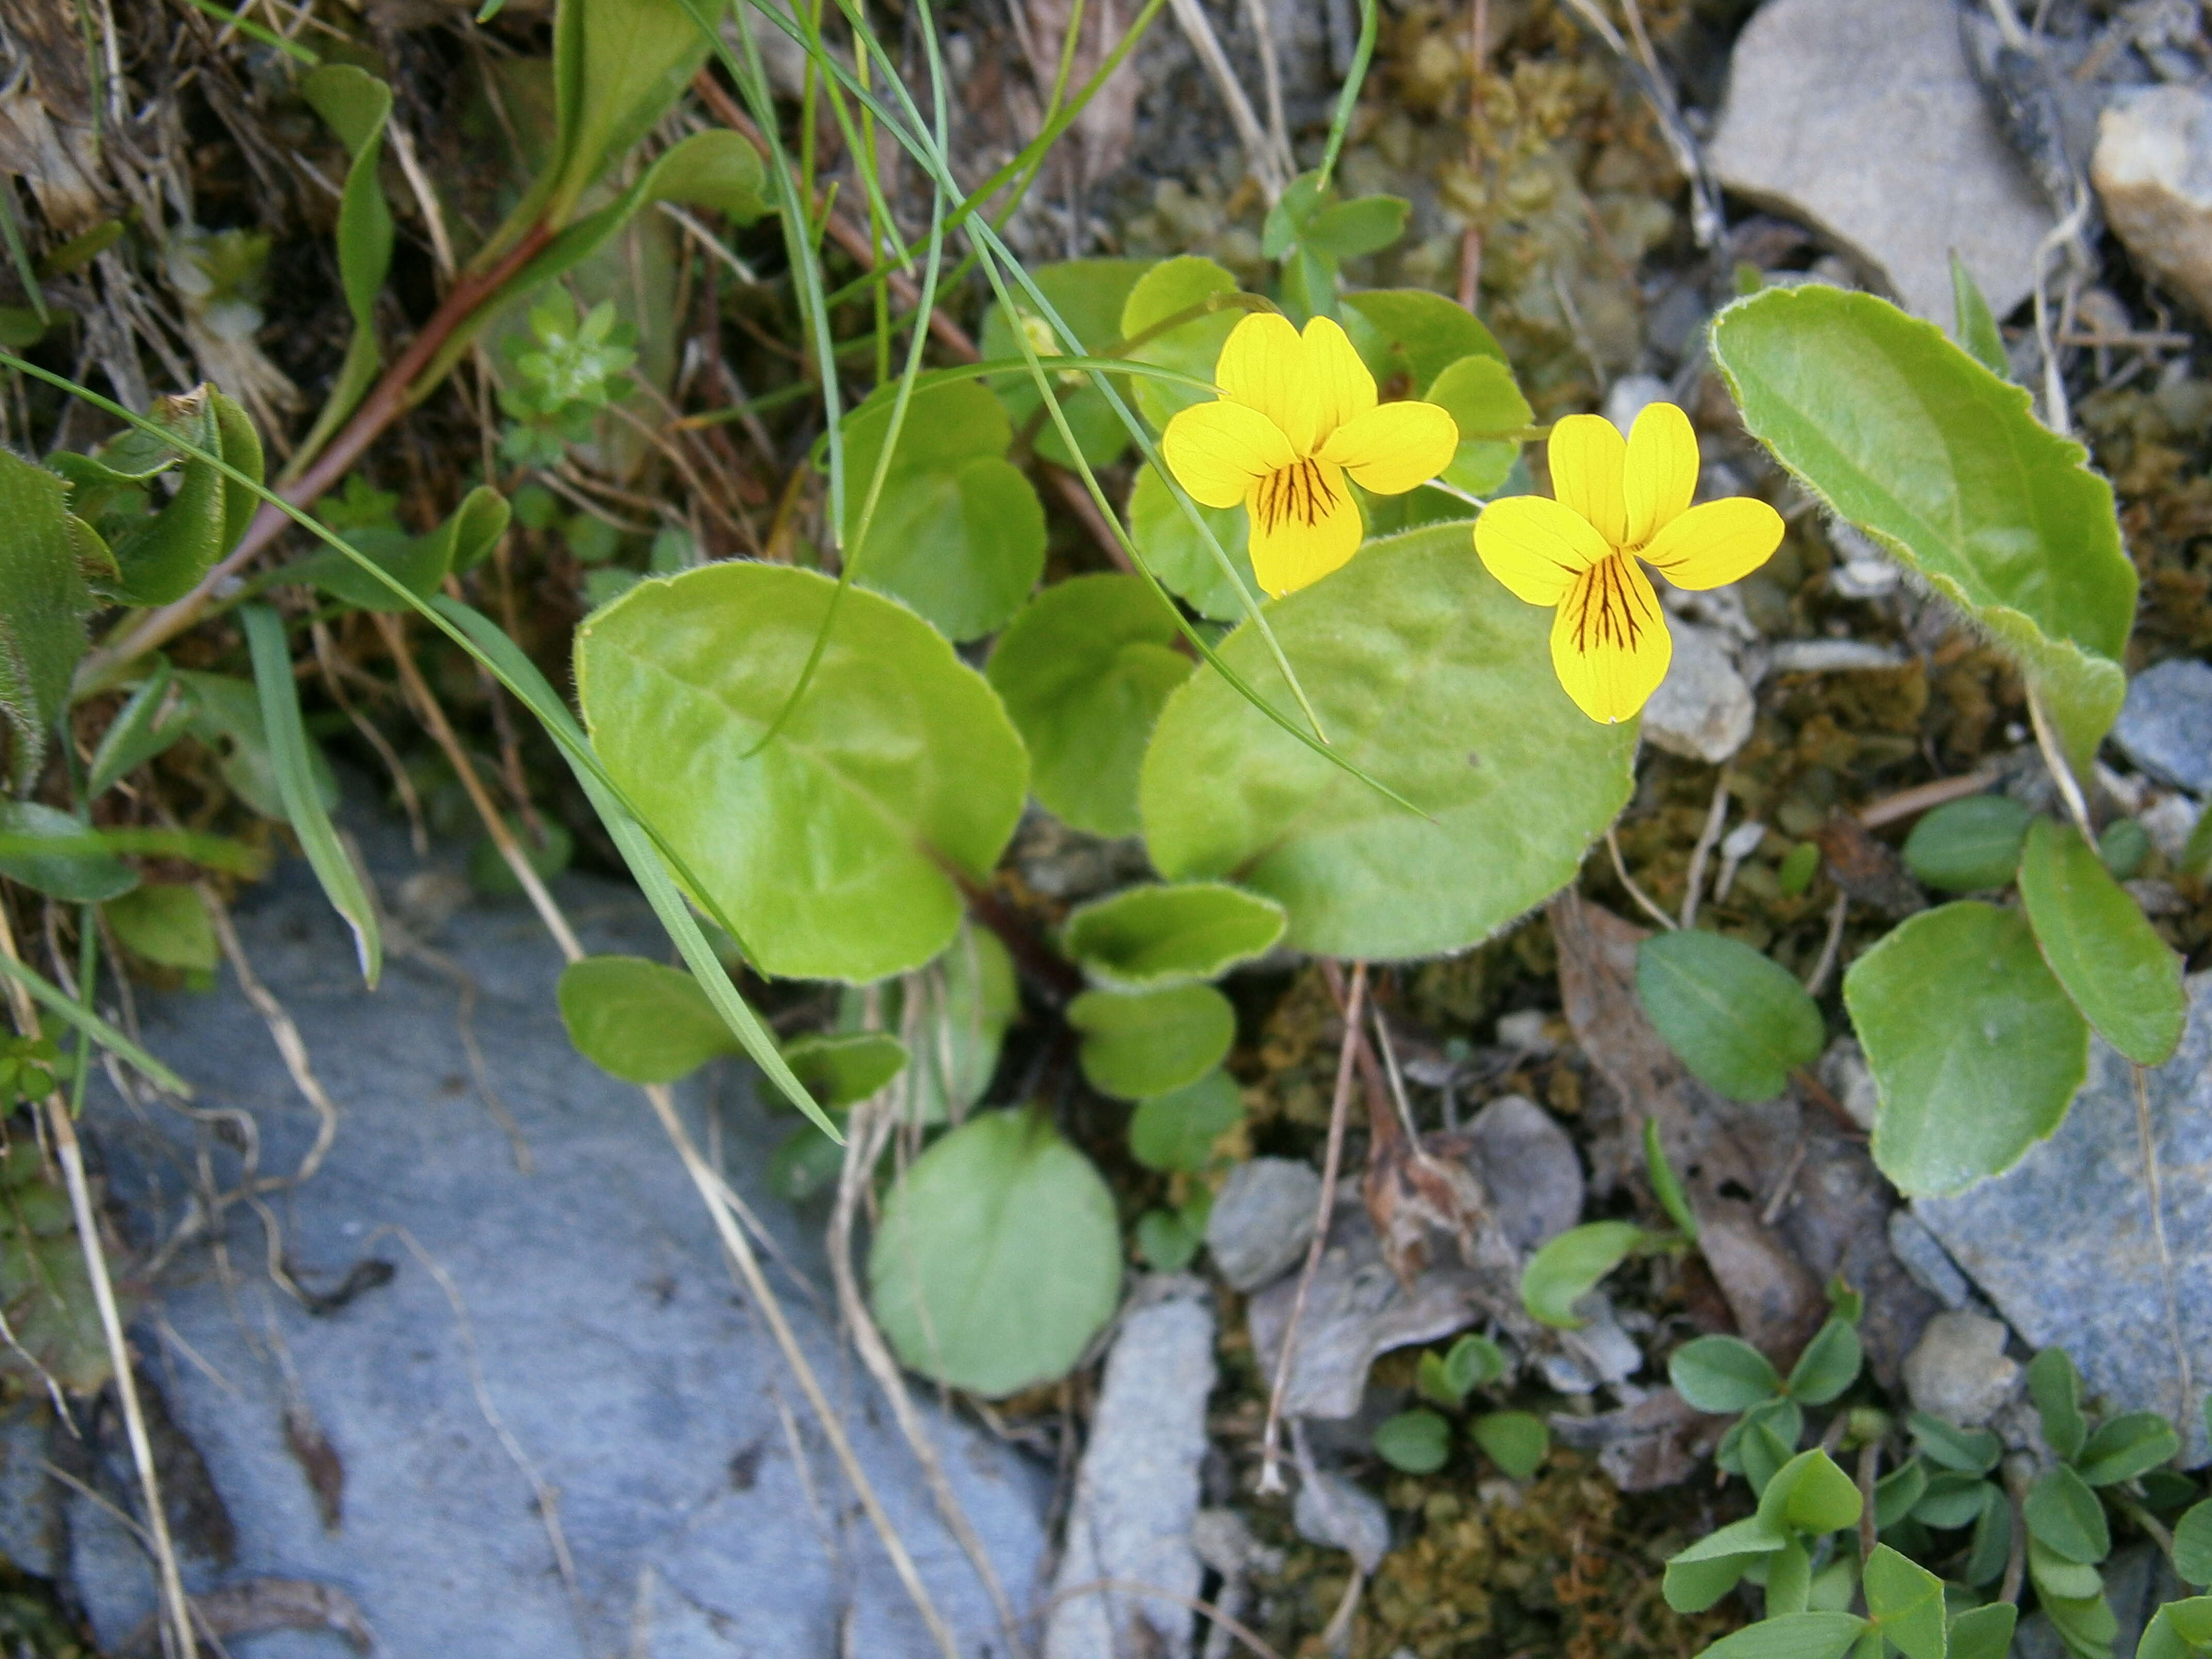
(1610, 611)
(1298, 491)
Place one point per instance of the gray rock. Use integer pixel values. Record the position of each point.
(698, 1497)
(1136, 1492)
(1703, 710)
(2063, 1243)
(1845, 1070)
(1629, 396)
(1262, 1220)
(1598, 1354)
(1529, 1165)
(1867, 572)
(2152, 167)
(1866, 122)
(1958, 1372)
(1924, 1257)
(2166, 725)
(1336, 1512)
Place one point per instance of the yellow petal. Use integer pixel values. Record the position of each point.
(1715, 545)
(1536, 547)
(1218, 450)
(1609, 643)
(1345, 389)
(1263, 366)
(1588, 456)
(1304, 524)
(1661, 473)
(1393, 448)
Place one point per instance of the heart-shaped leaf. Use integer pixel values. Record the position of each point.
(1137, 1044)
(1409, 336)
(1417, 1442)
(1975, 1048)
(829, 847)
(1479, 393)
(1431, 676)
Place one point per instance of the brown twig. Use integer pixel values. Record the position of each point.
(1271, 1439)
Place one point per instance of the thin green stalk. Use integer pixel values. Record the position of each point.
(50, 998)
(267, 37)
(1348, 99)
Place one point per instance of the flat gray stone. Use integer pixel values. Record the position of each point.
(1137, 1490)
(1702, 710)
(1262, 1220)
(2166, 725)
(1959, 1371)
(2062, 1241)
(703, 1512)
(1865, 122)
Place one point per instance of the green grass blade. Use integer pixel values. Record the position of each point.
(290, 755)
(232, 858)
(84, 1019)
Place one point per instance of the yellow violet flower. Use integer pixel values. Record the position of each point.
(1296, 414)
(1618, 501)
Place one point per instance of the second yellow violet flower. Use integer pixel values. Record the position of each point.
(1619, 501)
(1297, 414)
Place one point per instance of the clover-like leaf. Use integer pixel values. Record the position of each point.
(1722, 1374)
(1518, 1442)
(1417, 1442)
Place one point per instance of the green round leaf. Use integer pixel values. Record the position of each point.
(1418, 1442)
(1189, 348)
(1178, 1130)
(1137, 1044)
(2124, 846)
(1089, 294)
(1165, 935)
(1945, 465)
(1964, 846)
(2066, 1518)
(1473, 1362)
(958, 532)
(1518, 1442)
(1480, 395)
(1569, 1267)
(644, 1022)
(1084, 670)
(1974, 1046)
(1166, 1241)
(840, 1067)
(1177, 554)
(1737, 1018)
(2192, 1545)
(998, 1258)
(73, 875)
(1409, 336)
(2127, 1446)
(1722, 1375)
(823, 848)
(1430, 675)
(2111, 960)
(165, 925)
(1829, 1364)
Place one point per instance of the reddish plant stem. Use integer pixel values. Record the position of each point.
(386, 401)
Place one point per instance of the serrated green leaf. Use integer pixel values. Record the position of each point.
(639, 1020)
(2192, 1545)
(2126, 1447)
(1137, 1044)
(1480, 395)
(1518, 1442)
(958, 533)
(292, 757)
(998, 1257)
(840, 1067)
(166, 925)
(2096, 939)
(828, 842)
(2055, 1386)
(1158, 934)
(1089, 295)
(1084, 669)
(73, 872)
(1722, 1374)
(43, 598)
(1177, 1131)
(1829, 1364)
(1178, 555)
(1907, 1601)
(1431, 677)
(1964, 846)
(1417, 1442)
(1568, 1267)
(1945, 465)
(2066, 1516)
(1973, 326)
(1737, 1018)
(1975, 1048)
